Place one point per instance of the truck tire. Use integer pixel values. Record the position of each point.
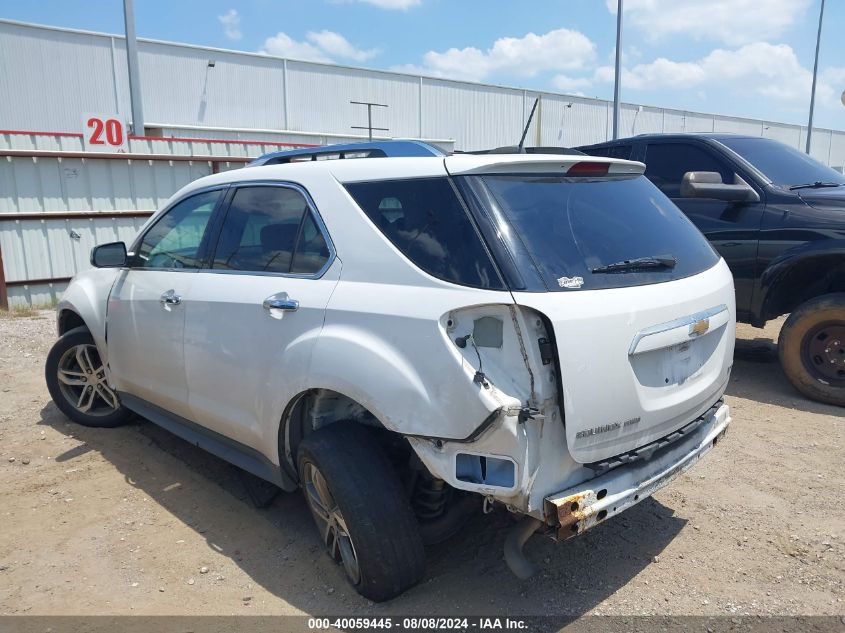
(77, 384)
(361, 510)
(811, 348)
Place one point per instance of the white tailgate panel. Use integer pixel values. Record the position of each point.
(632, 368)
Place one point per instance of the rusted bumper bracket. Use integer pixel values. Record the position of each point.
(582, 507)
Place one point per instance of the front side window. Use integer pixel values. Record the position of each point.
(426, 221)
(174, 241)
(270, 229)
(666, 164)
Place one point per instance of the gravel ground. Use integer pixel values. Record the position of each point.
(134, 520)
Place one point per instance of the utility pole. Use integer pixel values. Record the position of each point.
(618, 80)
(370, 127)
(132, 64)
(815, 73)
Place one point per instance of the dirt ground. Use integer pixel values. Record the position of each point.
(134, 520)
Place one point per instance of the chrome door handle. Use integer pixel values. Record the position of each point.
(170, 298)
(288, 305)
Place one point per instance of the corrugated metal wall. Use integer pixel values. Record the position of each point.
(475, 116)
(54, 76)
(60, 256)
(266, 137)
(248, 89)
(30, 185)
(334, 87)
(57, 202)
(57, 76)
(246, 105)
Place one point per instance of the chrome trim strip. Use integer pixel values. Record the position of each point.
(289, 305)
(671, 325)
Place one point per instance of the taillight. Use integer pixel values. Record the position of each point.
(585, 168)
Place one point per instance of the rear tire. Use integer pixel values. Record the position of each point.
(76, 381)
(811, 348)
(361, 510)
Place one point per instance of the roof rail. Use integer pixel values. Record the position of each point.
(372, 149)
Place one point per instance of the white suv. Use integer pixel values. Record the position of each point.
(406, 337)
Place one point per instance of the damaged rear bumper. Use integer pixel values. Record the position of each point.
(573, 511)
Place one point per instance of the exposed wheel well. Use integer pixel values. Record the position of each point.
(68, 320)
(318, 408)
(440, 509)
(803, 281)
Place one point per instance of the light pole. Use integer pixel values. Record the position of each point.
(132, 65)
(618, 80)
(815, 73)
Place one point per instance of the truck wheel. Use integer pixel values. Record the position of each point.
(76, 380)
(361, 510)
(812, 348)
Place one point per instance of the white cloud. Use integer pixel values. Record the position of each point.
(831, 83)
(283, 45)
(231, 22)
(758, 70)
(561, 49)
(393, 4)
(733, 22)
(569, 84)
(337, 45)
(319, 46)
(661, 73)
(630, 54)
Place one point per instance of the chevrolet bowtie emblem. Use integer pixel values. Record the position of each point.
(699, 327)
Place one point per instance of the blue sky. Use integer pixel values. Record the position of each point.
(749, 58)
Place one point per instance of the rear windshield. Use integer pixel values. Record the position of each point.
(570, 226)
(781, 164)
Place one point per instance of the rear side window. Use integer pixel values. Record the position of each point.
(426, 221)
(666, 164)
(270, 229)
(311, 252)
(619, 151)
(569, 227)
(612, 151)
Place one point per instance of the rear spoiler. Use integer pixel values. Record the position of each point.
(571, 165)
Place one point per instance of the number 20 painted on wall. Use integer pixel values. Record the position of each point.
(105, 132)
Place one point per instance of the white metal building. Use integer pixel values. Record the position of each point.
(57, 199)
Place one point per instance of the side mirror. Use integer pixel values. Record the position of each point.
(112, 255)
(708, 184)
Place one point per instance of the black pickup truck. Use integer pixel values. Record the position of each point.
(777, 216)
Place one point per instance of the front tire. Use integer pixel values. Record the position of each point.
(361, 510)
(811, 348)
(76, 380)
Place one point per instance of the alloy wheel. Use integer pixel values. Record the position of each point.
(330, 522)
(82, 380)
